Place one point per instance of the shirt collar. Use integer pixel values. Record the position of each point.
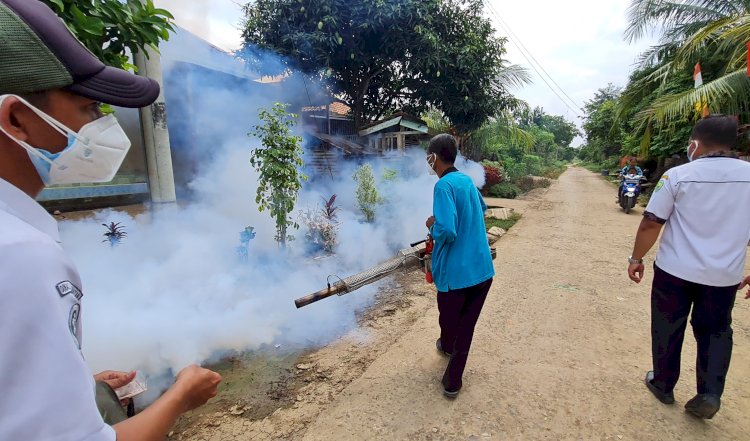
(449, 171)
(720, 154)
(20, 205)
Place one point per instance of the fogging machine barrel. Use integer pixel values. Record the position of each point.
(405, 259)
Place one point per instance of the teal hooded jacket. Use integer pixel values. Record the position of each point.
(461, 257)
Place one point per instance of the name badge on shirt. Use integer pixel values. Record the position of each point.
(65, 288)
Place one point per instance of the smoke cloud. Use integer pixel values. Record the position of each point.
(217, 21)
(175, 292)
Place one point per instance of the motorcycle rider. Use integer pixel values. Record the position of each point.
(632, 164)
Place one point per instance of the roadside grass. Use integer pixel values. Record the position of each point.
(505, 224)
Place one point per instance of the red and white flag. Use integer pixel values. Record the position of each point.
(702, 105)
(698, 76)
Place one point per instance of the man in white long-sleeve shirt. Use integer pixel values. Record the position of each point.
(52, 132)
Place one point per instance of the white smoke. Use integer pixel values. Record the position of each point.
(175, 292)
(216, 21)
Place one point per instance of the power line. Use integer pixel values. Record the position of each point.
(523, 50)
(507, 26)
(526, 53)
(529, 57)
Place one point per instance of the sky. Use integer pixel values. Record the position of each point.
(579, 43)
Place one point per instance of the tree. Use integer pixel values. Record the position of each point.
(544, 143)
(278, 161)
(691, 31)
(463, 72)
(650, 139)
(563, 130)
(497, 133)
(110, 28)
(386, 55)
(604, 134)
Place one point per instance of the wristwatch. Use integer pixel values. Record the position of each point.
(634, 261)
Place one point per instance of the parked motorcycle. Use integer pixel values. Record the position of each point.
(630, 189)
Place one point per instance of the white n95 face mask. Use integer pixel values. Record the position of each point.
(93, 155)
(431, 164)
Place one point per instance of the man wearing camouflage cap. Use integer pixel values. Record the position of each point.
(52, 132)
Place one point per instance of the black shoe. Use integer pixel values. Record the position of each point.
(440, 349)
(704, 405)
(451, 393)
(664, 397)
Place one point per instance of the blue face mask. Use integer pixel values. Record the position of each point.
(43, 167)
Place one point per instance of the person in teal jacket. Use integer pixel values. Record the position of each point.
(461, 261)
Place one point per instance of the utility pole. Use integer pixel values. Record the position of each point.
(155, 133)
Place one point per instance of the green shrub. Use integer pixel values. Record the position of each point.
(611, 164)
(367, 194)
(506, 190)
(513, 169)
(534, 164)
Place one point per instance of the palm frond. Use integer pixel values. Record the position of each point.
(644, 15)
(710, 34)
(514, 75)
(503, 129)
(727, 94)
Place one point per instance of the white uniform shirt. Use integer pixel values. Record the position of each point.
(706, 205)
(47, 391)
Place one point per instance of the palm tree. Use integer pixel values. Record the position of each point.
(503, 129)
(499, 130)
(688, 30)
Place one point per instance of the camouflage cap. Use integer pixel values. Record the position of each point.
(38, 52)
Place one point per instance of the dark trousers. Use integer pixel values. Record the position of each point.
(459, 312)
(671, 299)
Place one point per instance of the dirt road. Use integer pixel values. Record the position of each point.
(559, 353)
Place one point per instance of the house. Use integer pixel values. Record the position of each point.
(396, 132)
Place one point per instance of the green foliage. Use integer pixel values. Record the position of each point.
(436, 120)
(514, 169)
(497, 133)
(506, 190)
(534, 165)
(661, 101)
(278, 162)
(110, 28)
(605, 132)
(367, 194)
(387, 55)
(505, 224)
(568, 154)
(389, 175)
(563, 130)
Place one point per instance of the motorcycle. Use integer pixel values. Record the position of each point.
(630, 189)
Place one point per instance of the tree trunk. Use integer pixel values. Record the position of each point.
(359, 100)
(359, 103)
(282, 236)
